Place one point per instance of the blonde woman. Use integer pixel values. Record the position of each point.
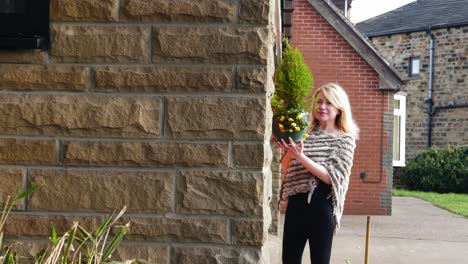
(316, 175)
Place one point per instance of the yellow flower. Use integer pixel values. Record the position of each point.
(305, 135)
(282, 118)
(283, 130)
(280, 126)
(293, 124)
(299, 117)
(290, 119)
(291, 130)
(297, 129)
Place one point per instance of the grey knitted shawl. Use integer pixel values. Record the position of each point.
(335, 153)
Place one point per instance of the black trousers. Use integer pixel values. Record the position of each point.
(313, 222)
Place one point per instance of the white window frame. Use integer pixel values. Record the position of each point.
(414, 72)
(401, 112)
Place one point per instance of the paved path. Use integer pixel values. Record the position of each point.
(417, 232)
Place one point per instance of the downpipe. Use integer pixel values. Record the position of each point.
(430, 101)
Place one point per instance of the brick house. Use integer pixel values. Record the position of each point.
(336, 52)
(163, 107)
(436, 90)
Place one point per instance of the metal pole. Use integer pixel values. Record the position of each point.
(366, 260)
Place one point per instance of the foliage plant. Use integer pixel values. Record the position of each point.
(75, 246)
(8, 254)
(438, 170)
(293, 85)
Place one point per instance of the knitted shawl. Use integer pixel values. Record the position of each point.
(335, 153)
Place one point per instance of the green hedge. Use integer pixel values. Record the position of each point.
(438, 170)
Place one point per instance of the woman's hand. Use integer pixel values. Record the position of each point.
(295, 149)
(281, 144)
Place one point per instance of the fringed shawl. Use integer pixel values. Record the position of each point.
(335, 153)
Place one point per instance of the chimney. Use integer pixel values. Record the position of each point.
(343, 5)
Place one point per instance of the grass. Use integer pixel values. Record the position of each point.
(453, 202)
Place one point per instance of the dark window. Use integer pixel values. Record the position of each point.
(24, 24)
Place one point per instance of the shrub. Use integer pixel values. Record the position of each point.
(293, 82)
(76, 246)
(293, 85)
(438, 170)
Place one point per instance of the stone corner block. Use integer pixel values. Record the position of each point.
(23, 56)
(178, 229)
(99, 44)
(248, 232)
(252, 80)
(254, 11)
(43, 77)
(173, 79)
(35, 225)
(12, 180)
(19, 151)
(201, 11)
(224, 193)
(217, 255)
(222, 45)
(153, 253)
(216, 117)
(87, 10)
(88, 190)
(143, 154)
(80, 115)
(249, 155)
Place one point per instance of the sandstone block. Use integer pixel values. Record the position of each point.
(139, 79)
(16, 151)
(91, 190)
(80, 115)
(249, 155)
(216, 117)
(228, 193)
(155, 254)
(22, 56)
(252, 80)
(39, 225)
(145, 154)
(12, 180)
(72, 43)
(221, 45)
(178, 229)
(214, 255)
(254, 11)
(26, 248)
(43, 77)
(83, 10)
(179, 10)
(248, 232)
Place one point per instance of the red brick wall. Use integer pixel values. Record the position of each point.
(332, 59)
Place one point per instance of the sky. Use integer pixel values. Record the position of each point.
(365, 9)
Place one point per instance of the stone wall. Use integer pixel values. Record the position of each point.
(450, 84)
(160, 106)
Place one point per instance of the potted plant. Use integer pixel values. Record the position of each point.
(293, 84)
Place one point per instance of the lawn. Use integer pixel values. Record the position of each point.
(454, 202)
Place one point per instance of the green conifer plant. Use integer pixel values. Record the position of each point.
(293, 85)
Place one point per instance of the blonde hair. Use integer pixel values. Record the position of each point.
(339, 99)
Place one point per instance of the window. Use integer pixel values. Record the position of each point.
(24, 24)
(399, 128)
(414, 66)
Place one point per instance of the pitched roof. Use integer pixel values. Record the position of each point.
(389, 77)
(417, 16)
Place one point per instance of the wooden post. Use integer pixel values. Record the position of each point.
(366, 260)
